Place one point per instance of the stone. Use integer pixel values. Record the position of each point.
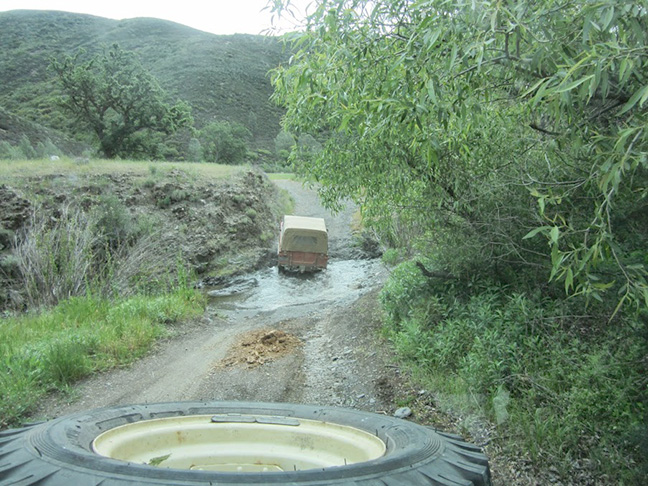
(403, 412)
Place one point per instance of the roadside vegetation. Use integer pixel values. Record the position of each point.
(499, 150)
(100, 258)
(49, 350)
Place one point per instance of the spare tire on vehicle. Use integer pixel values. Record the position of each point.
(233, 443)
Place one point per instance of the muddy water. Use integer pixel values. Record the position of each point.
(278, 296)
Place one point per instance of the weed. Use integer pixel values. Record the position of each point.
(113, 222)
(179, 195)
(148, 183)
(164, 202)
(238, 199)
(266, 236)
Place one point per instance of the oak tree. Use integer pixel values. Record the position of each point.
(120, 101)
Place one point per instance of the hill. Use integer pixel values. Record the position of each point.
(221, 77)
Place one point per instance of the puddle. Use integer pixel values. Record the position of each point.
(284, 296)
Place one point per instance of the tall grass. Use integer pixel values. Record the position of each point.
(50, 351)
(56, 257)
(563, 385)
(104, 251)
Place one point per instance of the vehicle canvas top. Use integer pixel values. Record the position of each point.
(304, 234)
(303, 222)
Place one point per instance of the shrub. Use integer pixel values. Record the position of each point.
(47, 149)
(194, 151)
(406, 290)
(391, 256)
(224, 142)
(26, 148)
(114, 223)
(8, 151)
(561, 386)
(284, 143)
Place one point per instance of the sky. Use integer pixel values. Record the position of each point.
(223, 17)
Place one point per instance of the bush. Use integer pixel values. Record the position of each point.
(224, 142)
(194, 151)
(8, 151)
(26, 148)
(114, 223)
(564, 386)
(407, 291)
(47, 149)
(284, 143)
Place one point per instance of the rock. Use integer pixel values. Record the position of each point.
(14, 209)
(403, 412)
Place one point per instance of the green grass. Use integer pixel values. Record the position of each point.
(50, 351)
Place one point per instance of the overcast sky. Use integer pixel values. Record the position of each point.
(222, 17)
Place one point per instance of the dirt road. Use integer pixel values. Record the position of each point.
(268, 337)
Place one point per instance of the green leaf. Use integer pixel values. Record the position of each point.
(569, 279)
(574, 84)
(534, 232)
(554, 234)
(431, 92)
(533, 88)
(607, 18)
(641, 94)
(156, 461)
(644, 97)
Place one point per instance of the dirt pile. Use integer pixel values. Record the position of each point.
(259, 347)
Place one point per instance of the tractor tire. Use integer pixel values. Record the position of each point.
(63, 451)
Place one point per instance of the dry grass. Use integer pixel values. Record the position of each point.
(18, 169)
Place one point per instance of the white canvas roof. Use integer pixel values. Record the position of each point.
(303, 222)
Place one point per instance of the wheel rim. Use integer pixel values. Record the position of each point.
(239, 443)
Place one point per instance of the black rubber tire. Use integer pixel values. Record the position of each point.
(58, 452)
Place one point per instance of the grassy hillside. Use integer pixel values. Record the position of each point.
(13, 128)
(221, 77)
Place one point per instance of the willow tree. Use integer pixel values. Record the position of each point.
(120, 101)
(500, 136)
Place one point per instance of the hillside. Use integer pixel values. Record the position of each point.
(221, 77)
(13, 128)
